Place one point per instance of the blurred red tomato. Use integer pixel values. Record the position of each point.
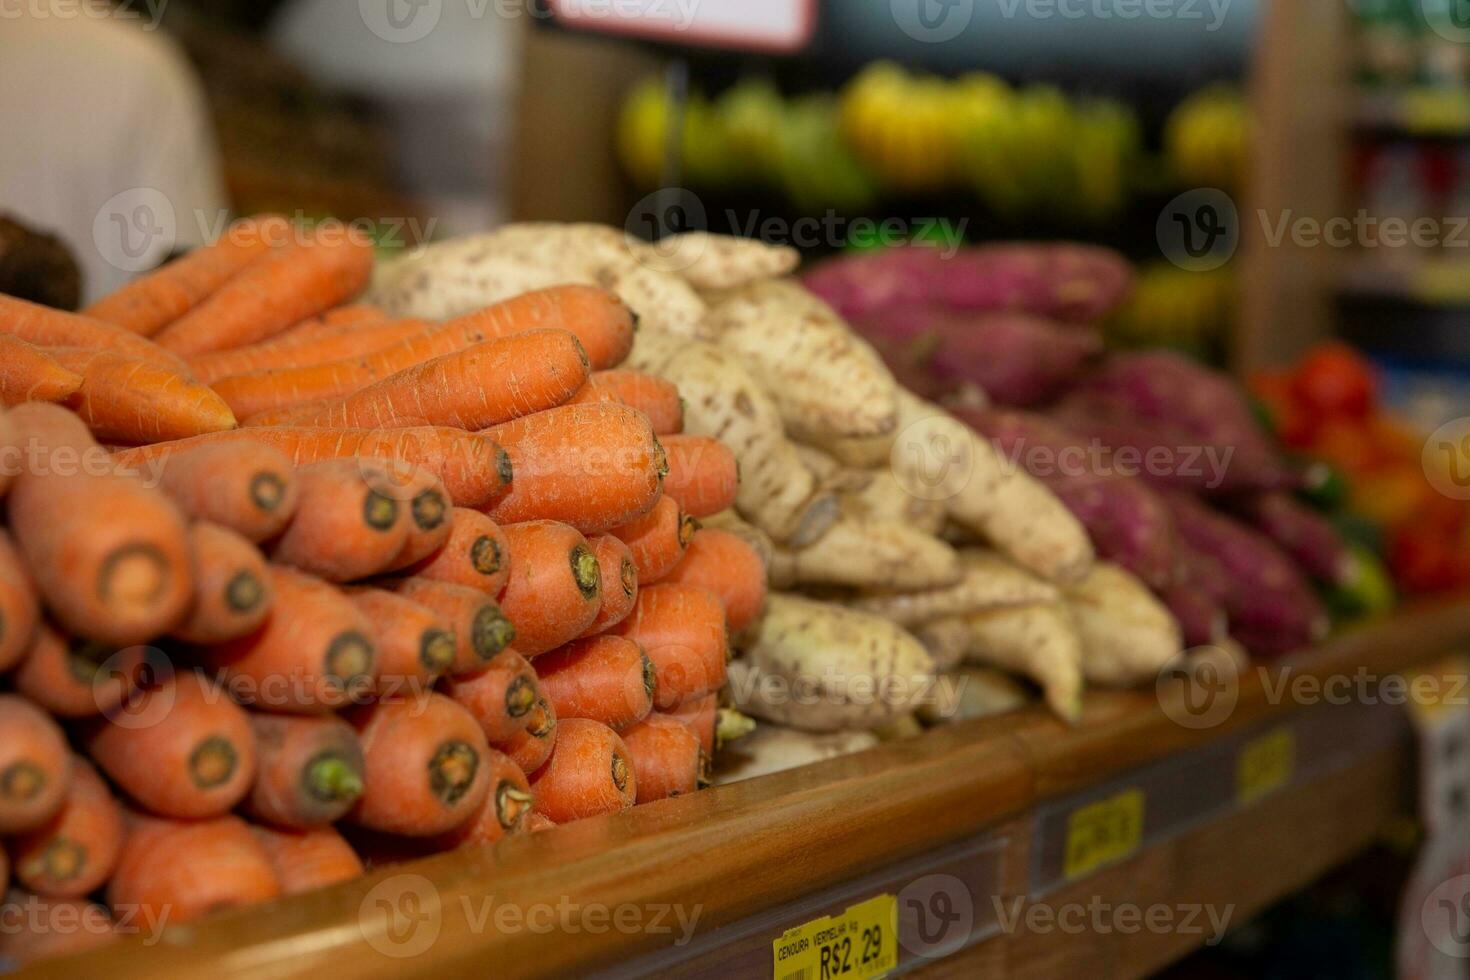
(1292, 425)
(1424, 559)
(1335, 380)
(1346, 445)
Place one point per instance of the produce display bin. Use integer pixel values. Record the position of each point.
(1151, 800)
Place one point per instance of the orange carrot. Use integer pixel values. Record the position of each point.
(590, 773)
(279, 289)
(415, 644)
(682, 628)
(532, 745)
(303, 346)
(73, 678)
(667, 758)
(310, 774)
(481, 629)
(730, 568)
(473, 388)
(608, 679)
(35, 766)
(110, 556)
(703, 476)
(182, 749)
(29, 374)
(73, 854)
(591, 466)
(422, 495)
(560, 307)
(185, 870)
(232, 594)
(45, 327)
(654, 397)
(427, 766)
(126, 400)
(619, 582)
(148, 303)
(348, 524)
(473, 467)
(501, 696)
(51, 927)
(504, 811)
(555, 590)
(475, 556)
(244, 485)
(702, 717)
(657, 540)
(316, 651)
(337, 321)
(308, 860)
(599, 319)
(20, 609)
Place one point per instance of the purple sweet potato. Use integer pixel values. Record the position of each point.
(1198, 596)
(1127, 522)
(860, 285)
(1272, 608)
(1308, 537)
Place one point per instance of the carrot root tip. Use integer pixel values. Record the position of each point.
(503, 467)
(244, 592)
(132, 576)
(661, 460)
(429, 510)
(62, 860)
(492, 632)
(379, 512)
(687, 527)
(628, 575)
(332, 779)
(267, 490)
(586, 571)
(511, 805)
(452, 770)
(436, 650)
(213, 762)
(349, 659)
(620, 770)
(485, 555)
(521, 697)
(22, 781)
(650, 676)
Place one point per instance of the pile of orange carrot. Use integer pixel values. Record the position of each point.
(289, 587)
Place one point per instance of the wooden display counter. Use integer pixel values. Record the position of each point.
(980, 843)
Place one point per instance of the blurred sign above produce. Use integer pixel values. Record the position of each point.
(775, 26)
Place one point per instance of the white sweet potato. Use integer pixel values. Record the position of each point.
(718, 262)
(436, 284)
(1039, 642)
(862, 452)
(827, 381)
(777, 492)
(940, 458)
(878, 495)
(988, 581)
(860, 552)
(773, 748)
(947, 640)
(820, 667)
(1127, 634)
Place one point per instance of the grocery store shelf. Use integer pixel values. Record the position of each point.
(981, 801)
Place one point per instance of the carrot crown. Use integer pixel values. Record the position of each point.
(586, 571)
(452, 770)
(485, 555)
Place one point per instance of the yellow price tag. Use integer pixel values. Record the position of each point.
(1439, 690)
(1265, 765)
(858, 944)
(1103, 833)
